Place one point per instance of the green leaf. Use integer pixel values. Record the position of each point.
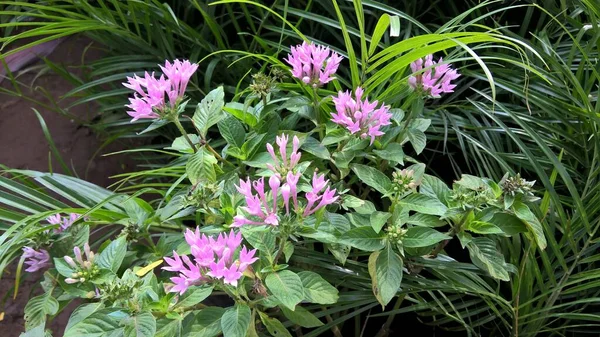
(418, 140)
(434, 187)
(482, 227)
(335, 136)
(372, 177)
(193, 296)
(393, 153)
(102, 323)
(288, 250)
(508, 223)
(201, 167)
(363, 238)
(316, 289)
(533, 224)
(38, 308)
(112, 256)
(238, 111)
(315, 148)
(422, 237)
(38, 331)
(385, 268)
(82, 312)
(472, 182)
(232, 131)
(339, 251)
(260, 238)
(379, 219)
(464, 238)
(423, 204)
(287, 287)
(209, 111)
(342, 159)
(486, 256)
(380, 29)
(62, 267)
(140, 325)
(206, 323)
(301, 317)
(425, 220)
(274, 326)
(180, 143)
(235, 321)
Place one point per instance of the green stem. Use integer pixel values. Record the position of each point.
(385, 328)
(317, 114)
(185, 135)
(280, 250)
(453, 231)
(416, 109)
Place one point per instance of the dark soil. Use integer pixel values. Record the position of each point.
(24, 146)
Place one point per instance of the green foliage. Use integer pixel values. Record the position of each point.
(536, 115)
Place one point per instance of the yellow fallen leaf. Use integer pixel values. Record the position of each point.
(148, 268)
(1, 316)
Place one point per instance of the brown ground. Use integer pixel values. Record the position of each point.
(24, 146)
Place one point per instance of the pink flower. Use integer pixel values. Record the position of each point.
(360, 116)
(151, 93)
(286, 164)
(175, 263)
(35, 259)
(312, 64)
(257, 205)
(212, 259)
(231, 275)
(328, 197)
(246, 258)
(260, 213)
(432, 78)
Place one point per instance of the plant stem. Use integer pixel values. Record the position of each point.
(336, 331)
(280, 250)
(317, 114)
(185, 135)
(416, 109)
(215, 153)
(385, 329)
(453, 231)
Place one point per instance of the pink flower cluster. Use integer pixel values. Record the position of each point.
(360, 116)
(287, 163)
(213, 259)
(262, 211)
(35, 259)
(435, 80)
(149, 100)
(312, 64)
(63, 222)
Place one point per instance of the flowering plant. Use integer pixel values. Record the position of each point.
(304, 202)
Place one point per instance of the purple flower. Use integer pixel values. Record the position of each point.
(63, 222)
(211, 259)
(35, 259)
(312, 64)
(151, 93)
(432, 78)
(360, 116)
